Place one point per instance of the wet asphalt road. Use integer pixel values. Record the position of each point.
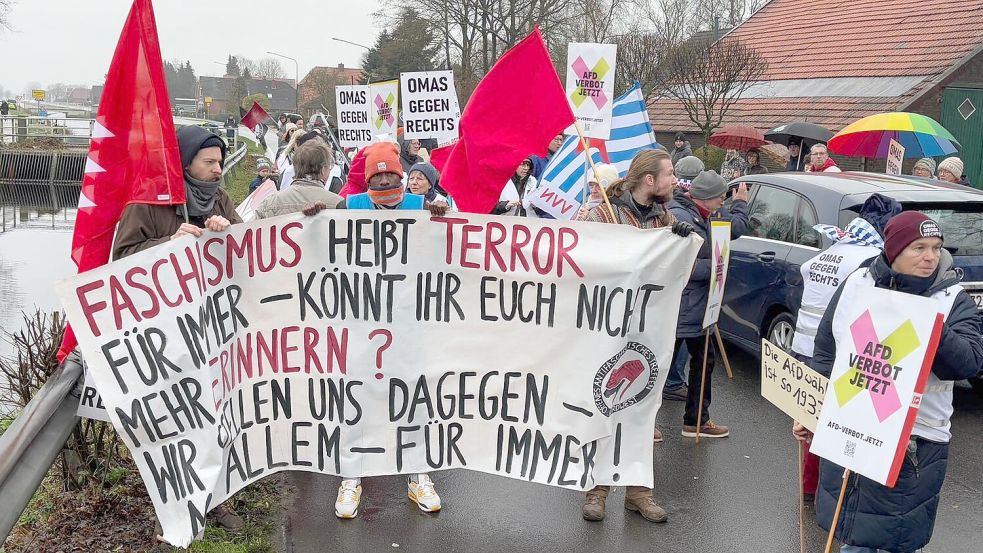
(737, 494)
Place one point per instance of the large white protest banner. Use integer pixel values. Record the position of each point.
(719, 262)
(384, 107)
(354, 125)
(430, 105)
(791, 385)
(368, 343)
(895, 157)
(885, 344)
(590, 86)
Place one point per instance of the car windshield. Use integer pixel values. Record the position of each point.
(962, 223)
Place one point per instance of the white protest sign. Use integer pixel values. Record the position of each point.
(383, 342)
(384, 107)
(90, 403)
(719, 262)
(895, 157)
(430, 106)
(247, 209)
(885, 345)
(791, 385)
(354, 119)
(590, 86)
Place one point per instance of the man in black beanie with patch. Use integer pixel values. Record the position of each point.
(144, 226)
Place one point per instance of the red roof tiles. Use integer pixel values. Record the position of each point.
(810, 39)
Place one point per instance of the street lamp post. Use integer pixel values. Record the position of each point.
(296, 79)
(350, 42)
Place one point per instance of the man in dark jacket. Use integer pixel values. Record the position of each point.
(705, 200)
(681, 148)
(144, 226)
(901, 519)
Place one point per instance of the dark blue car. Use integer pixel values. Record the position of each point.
(764, 286)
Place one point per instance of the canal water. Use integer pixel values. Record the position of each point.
(34, 255)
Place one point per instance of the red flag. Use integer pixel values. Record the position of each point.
(504, 122)
(254, 116)
(133, 156)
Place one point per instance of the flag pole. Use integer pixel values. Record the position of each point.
(723, 352)
(604, 193)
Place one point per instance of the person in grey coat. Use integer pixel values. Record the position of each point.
(703, 202)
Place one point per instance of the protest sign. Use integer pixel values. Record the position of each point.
(590, 86)
(791, 385)
(354, 119)
(368, 343)
(885, 345)
(430, 106)
(90, 403)
(895, 157)
(383, 107)
(247, 209)
(719, 262)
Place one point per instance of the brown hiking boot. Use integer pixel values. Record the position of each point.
(594, 505)
(708, 430)
(644, 504)
(227, 518)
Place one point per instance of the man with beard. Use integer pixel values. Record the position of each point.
(144, 226)
(638, 200)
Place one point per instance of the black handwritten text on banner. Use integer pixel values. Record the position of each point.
(363, 344)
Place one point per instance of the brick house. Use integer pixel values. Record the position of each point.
(321, 81)
(832, 62)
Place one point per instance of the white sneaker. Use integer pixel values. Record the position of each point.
(423, 494)
(349, 494)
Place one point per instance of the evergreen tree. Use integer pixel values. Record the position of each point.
(410, 46)
(232, 67)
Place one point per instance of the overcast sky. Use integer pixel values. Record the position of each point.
(72, 41)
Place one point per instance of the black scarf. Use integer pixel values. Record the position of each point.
(200, 196)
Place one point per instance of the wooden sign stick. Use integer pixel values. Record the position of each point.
(604, 193)
(836, 514)
(703, 382)
(802, 501)
(723, 352)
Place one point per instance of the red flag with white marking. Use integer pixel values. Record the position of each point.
(133, 155)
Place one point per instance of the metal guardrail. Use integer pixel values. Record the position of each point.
(71, 131)
(235, 158)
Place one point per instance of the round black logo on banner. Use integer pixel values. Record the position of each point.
(625, 379)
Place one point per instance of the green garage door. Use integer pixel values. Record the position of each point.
(962, 114)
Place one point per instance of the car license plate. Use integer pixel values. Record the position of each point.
(977, 296)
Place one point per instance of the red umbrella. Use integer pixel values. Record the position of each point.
(738, 137)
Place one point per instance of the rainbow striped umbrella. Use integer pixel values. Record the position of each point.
(871, 136)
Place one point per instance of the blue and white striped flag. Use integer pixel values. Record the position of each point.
(562, 187)
(631, 130)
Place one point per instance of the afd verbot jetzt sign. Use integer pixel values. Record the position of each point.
(719, 264)
(369, 343)
(590, 87)
(384, 107)
(885, 346)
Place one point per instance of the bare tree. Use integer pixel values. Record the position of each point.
(640, 55)
(669, 19)
(603, 18)
(269, 68)
(246, 64)
(5, 8)
(708, 78)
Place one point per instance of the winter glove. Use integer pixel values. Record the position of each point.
(682, 228)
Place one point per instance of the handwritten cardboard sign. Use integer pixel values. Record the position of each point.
(791, 385)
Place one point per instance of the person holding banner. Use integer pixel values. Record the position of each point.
(515, 191)
(704, 201)
(852, 247)
(422, 181)
(638, 200)
(208, 207)
(901, 519)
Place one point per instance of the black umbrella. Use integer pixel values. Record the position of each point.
(807, 134)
